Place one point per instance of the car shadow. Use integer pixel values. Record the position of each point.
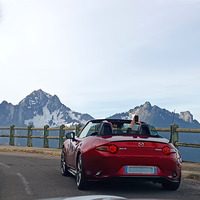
(128, 189)
(126, 186)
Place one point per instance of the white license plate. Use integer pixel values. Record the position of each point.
(140, 170)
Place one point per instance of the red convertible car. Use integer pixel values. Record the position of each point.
(108, 148)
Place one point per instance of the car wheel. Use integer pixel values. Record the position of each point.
(81, 182)
(168, 185)
(63, 167)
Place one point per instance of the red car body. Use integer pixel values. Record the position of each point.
(102, 151)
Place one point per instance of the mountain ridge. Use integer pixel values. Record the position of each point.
(159, 117)
(40, 108)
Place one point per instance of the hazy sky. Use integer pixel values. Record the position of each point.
(102, 56)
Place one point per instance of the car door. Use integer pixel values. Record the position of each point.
(72, 145)
(75, 144)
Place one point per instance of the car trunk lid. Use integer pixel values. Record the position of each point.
(129, 145)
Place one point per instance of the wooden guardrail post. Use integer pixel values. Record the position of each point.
(61, 135)
(46, 134)
(12, 133)
(78, 128)
(29, 138)
(174, 134)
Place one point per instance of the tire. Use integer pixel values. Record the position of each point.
(81, 181)
(63, 167)
(168, 185)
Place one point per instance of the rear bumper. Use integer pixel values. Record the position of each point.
(155, 179)
(158, 179)
(112, 166)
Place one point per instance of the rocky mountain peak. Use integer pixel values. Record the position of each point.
(186, 116)
(159, 117)
(38, 109)
(4, 102)
(39, 98)
(147, 105)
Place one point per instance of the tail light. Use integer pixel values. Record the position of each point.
(108, 148)
(166, 150)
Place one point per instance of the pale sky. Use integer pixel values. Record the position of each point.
(102, 57)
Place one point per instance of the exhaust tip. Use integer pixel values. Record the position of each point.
(98, 173)
(174, 174)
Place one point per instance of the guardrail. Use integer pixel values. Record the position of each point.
(173, 130)
(174, 135)
(45, 136)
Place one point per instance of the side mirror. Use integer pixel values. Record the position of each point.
(70, 135)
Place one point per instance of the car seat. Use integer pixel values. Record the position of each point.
(106, 129)
(144, 130)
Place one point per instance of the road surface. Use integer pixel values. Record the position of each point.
(25, 176)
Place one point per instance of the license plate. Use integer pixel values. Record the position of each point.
(140, 170)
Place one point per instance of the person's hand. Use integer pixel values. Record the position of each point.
(133, 122)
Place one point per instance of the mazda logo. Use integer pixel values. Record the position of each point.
(140, 144)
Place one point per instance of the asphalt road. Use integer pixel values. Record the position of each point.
(25, 176)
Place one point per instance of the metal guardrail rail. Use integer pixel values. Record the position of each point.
(174, 131)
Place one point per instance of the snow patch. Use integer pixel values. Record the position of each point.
(76, 117)
(41, 120)
(71, 124)
(47, 95)
(32, 102)
(135, 112)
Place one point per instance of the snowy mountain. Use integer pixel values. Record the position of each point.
(38, 109)
(159, 117)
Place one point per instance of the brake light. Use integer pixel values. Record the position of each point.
(166, 150)
(110, 148)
